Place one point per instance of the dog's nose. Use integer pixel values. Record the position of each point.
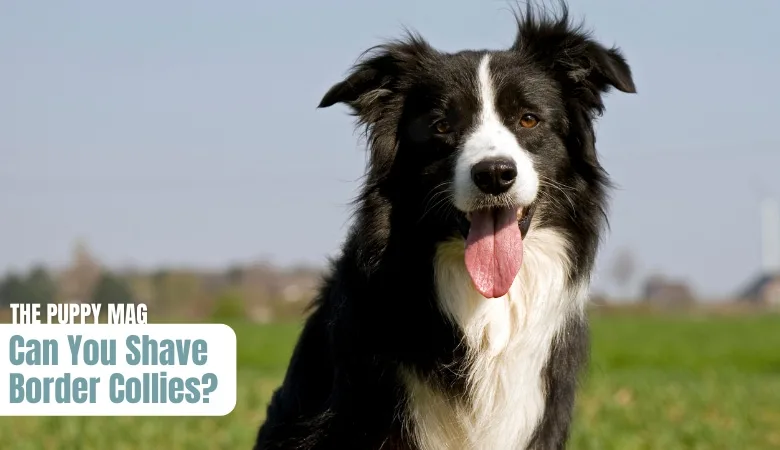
(495, 175)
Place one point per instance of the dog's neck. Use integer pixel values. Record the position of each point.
(508, 341)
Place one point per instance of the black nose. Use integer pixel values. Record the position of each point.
(495, 175)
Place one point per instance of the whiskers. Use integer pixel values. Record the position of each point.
(439, 198)
(560, 187)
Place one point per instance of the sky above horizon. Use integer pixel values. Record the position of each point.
(186, 133)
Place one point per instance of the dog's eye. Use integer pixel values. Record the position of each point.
(529, 121)
(442, 127)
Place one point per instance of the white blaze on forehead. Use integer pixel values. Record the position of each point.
(487, 96)
(490, 138)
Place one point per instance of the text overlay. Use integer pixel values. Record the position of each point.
(117, 370)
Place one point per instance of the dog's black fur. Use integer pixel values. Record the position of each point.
(378, 310)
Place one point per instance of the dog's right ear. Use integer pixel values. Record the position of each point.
(377, 75)
(369, 76)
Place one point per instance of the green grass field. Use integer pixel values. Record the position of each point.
(655, 382)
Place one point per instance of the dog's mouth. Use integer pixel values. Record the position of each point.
(494, 246)
(524, 216)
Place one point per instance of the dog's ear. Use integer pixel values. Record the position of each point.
(583, 66)
(605, 67)
(377, 75)
(371, 76)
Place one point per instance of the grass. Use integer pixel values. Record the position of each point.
(655, 382)
(681, 383)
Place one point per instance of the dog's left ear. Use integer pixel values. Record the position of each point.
(603, 68)
(583, 66)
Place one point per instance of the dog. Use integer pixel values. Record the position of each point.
(454, 316)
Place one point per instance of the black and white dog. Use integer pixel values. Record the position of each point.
(454, 317)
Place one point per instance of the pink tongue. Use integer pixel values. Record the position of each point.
(494, 250)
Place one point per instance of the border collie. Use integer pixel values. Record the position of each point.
(454, 317)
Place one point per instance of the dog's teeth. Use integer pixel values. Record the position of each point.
(468, 216)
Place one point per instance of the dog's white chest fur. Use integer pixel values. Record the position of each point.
(509, 341)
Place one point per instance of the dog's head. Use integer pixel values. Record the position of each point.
(482, 142)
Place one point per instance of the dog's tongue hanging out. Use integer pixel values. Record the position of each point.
(494, 250)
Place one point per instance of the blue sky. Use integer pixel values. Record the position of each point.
(186, 132)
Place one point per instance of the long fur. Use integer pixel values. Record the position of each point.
(509, 343)
(400, 350)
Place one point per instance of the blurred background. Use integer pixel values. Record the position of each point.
(170, 153)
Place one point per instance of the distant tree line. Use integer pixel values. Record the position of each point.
(38, 286)
(257, 291)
